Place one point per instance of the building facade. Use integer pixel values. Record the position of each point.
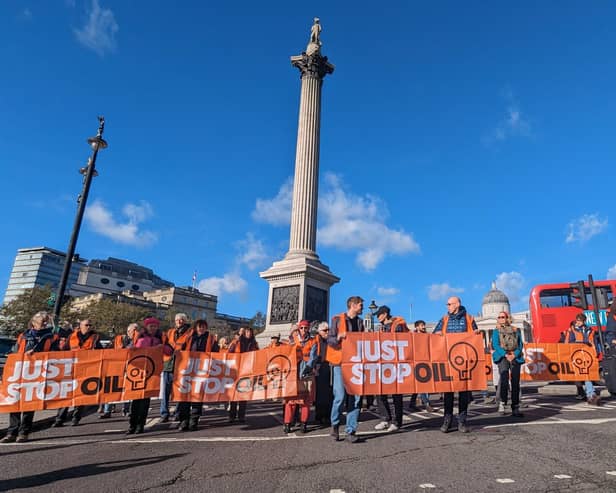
(39, 266)
(115, 275)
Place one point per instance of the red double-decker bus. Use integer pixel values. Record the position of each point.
(552, 310)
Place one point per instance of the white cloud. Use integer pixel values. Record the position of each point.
(512, 284)
(101, 220)
(513, 123)
(611, 272)
(351, 222)
(441, 291)
(585, 227)
(276, 211)
(231, 282)
(348, 222)
(98, 34)
(252, 252)
(382, 291)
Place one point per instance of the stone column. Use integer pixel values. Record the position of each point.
(299, 284)
(313, 68)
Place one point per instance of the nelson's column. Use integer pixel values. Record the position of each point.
(299, 284)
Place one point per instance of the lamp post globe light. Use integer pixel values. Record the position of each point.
(369, 317)
(89, 171)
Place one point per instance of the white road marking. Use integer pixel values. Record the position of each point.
(337, 491)
(611, 473)
(112, 431)
(427, 485)
(557, 421)
(504, 480)
(562, 476)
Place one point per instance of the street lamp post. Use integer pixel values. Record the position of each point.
(372, 307)
(89, 171)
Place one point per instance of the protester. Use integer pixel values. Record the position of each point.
(223, 346)
(85, 338)
(348, 321)
(457, 320)
(38, 338)
(420, 328)
(507, 344)
(150, 338)
(274, 341)
(122, 341)
(322, 373)
(201, 341)
(243, 342)
(389, 423)
(303, 342)
(175, 339)
(581, 333)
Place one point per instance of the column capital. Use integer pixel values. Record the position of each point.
(314, 65)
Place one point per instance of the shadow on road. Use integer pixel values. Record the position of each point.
(81, 471)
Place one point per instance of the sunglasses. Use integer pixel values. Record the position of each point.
(323, 330)
(500, 316)
(87, 325)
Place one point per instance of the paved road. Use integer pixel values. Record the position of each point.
(560, 445)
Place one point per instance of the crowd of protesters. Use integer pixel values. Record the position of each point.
(320, 385)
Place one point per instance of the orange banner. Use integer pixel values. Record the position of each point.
(210, 377)
(375, 363)
(78, 378)
(552, 361)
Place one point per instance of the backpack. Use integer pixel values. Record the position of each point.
(508, 338)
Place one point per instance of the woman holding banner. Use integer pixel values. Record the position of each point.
(507, 344)
(244, 341)
(37, 339)
(151, 337)
(200, 341)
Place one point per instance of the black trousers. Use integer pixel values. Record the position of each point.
(237, 409)
(20, 423)
(324, 394)
(188, 409)
(385, 409)
(78, 413)
(138, 412)
(507, 369)
(463, 399)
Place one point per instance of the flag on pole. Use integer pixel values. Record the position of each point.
(194, 279)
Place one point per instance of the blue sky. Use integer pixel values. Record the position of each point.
(467, 142)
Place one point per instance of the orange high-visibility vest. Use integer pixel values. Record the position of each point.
(397, 321)
(177, 343)
(469, 323)
(90, 342)
(333, 355)
(21, 344)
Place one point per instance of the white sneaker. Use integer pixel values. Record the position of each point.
(393, 427)
(383, 425)
(501, 408)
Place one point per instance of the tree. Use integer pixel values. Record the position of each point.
(16, 314)
(111, 316)
(257, 323)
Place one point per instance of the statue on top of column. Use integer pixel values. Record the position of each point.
(315, 32)
(314, 46)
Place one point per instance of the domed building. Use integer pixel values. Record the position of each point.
(494, 301)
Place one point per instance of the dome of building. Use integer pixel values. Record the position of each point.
(494, 302)
(495, 296)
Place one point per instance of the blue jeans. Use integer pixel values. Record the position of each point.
(340, 396)
(589, 388)
(166, 382)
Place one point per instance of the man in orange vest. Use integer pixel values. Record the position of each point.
(349, 321)
(456, 321)
(83, 339)
(177, 339)
(388, 422)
